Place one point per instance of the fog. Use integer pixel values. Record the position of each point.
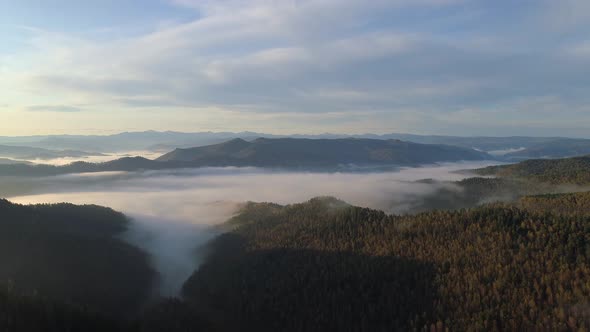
(172, 211)
(90, 159)
(499, 153)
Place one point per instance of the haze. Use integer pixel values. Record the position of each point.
(171, 211)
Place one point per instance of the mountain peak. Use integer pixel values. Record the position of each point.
(236, 140)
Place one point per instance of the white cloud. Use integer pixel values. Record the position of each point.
(325, 57)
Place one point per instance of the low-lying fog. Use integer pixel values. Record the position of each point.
(89, 159)
(172, 210)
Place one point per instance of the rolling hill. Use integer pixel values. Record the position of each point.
(325, 265)
(287, 153)
(298, 153)
(555, 171)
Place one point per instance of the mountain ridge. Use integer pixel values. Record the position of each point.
(284, 153)
(301, 152)
(167, 140)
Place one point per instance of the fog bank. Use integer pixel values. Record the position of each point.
(172, 210)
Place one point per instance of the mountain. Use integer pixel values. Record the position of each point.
(28, 153)
(6, 161)
(324, 265)
(289, 153)
(126, 141)
(126, 164)
(555, 171)
(298, 153)
(169, 140)
(515, 148)
(488, 144)
(560, 148)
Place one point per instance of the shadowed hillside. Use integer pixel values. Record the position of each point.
(73, 254)
(292, 153)
(323, 265)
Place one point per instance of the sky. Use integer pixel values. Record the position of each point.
(458, 67)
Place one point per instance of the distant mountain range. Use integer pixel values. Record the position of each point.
(559, 148)
(29, 153)
(285, 153)
(7, 161)
(514, 148)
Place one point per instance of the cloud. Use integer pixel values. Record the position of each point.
(323, 58)
(53, 108)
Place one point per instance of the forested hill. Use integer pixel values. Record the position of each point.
(556, 171)
(287, 153)
(293, 153)
(324, 265)
(572, 204)
(63, 265)
(126, 164)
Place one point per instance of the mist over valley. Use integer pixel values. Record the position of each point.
(294, 165)
(172, 211)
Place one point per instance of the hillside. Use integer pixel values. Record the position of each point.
(555, 171)
(572, 204)
(324, 265)
(559, 148)
(126, 164)
(322, 154)
(74, 255)
(296, 153)
(471, 192)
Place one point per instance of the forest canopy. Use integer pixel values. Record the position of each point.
(63, 260)
(554, 171)
(326, 265)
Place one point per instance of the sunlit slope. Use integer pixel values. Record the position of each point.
(324, 265)
(556, 171)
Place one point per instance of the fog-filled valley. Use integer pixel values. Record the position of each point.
(196, 240)
(172, 211)
(294, 165)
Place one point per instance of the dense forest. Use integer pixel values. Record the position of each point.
(319, 265)
(63, 264)
(324, 265)
(475, 191)
(508, 183)
(471, 192)
(555, 171)
(572, 204)
(460, 260)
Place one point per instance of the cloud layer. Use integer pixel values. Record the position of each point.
(315, 65)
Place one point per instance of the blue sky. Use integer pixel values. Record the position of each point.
(460, 67)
